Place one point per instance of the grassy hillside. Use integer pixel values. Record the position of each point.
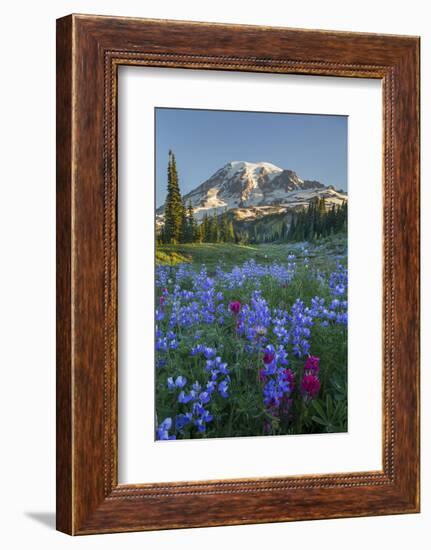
(323, 253)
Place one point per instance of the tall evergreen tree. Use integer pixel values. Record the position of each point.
(215, 233)
(223, 226)
(230, 237)
(184, 233)
(174, 208)
(207, 229)
(191, 228)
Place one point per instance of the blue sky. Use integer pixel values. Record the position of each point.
(314, 146)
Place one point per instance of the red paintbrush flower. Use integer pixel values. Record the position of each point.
(235, 307)
(268, 357)
(312, 365)
(310, 386)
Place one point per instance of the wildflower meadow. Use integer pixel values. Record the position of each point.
(251, 341)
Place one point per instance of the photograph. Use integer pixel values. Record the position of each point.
(251, 273)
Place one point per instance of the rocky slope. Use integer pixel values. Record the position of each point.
(252, 190)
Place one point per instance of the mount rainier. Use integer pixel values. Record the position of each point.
(254, 190)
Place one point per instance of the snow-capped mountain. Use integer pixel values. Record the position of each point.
(254, 190)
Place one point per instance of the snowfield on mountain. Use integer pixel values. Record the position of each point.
(252, 190)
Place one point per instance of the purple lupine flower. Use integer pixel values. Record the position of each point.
(202, 421)
(204, 397)
(181, 420)
(180, 382)
(223, 388)
(162, 432)
(186, 398)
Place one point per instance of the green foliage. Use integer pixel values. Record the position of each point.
(170, 257)
(330, 414)
(175, 216)
(323, 255)
(317, 221)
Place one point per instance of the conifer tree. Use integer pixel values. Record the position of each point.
(174, 208)
(224, 227)
(283, 231)
(184, 233)
(230, 238)
(215, 228)
(207, 229)
(191, 235)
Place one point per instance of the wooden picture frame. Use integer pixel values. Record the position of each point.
(89, 51)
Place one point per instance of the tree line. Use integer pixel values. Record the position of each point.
(309, 224)
(318, 221)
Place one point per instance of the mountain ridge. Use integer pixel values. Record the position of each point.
(255, 189)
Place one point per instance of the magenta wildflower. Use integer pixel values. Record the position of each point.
(312, 365)
(268, 357)
(290, 377)
(310, 385)
(235, 307)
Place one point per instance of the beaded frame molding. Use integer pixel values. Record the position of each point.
(89, 51)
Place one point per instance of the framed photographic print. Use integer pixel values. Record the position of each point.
(237, 274)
